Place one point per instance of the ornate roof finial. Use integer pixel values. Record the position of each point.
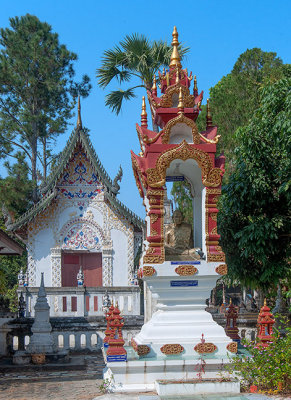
(230, 301)
(195, 89)
(144, 116)
(154, 87)
(175, 57)
(79, 120)
(265, 302)
(208, 116)
(177, 76)
(181, 103)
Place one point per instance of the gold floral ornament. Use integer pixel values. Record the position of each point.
(140, 349)
(232, 347)
(205, 348)
(211, 176)
(221, 269)
(148, 270)
(185, 270)
(143, 349)
(170, 349)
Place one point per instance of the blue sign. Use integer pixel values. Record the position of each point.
(177, 178)
(117, 358)
(185, 262)
(184, 283)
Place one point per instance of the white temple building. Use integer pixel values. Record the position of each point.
(79, 222)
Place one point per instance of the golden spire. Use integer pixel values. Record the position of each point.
(208, 116)
(154, 88)
(144, 116)
(79, 120)
(177, 76)
(181, 103)
(230, 301)
(175, 57)
(265, 302)
(195, 89)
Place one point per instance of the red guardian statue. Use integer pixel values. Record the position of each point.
(265, 326)
(116, 350)
(231, 328)
(108, 329)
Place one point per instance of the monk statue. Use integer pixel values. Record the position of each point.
(179, 240)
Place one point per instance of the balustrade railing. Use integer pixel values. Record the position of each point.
(83, 301)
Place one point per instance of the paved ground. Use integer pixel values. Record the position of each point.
(76, 385)
(56, 385)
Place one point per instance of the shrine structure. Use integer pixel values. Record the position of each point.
(80, 236)
(169, 345)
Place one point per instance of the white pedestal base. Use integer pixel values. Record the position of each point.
(133, 376)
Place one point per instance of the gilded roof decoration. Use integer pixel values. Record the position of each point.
(181, 119)
(211, 177)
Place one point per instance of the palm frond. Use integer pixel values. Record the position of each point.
(105, 75)
(115, 98)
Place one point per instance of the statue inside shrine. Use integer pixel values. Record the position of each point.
(179, 240)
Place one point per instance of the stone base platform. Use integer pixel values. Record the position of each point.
(141, 375)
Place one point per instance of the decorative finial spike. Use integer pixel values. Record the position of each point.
(79, 120)
(195, 89)
(154, 88)
(265, 302)
(175, 57)
(177, 76)
(42, 280)
(144, 119)
(230, 301)
(181, 102)
(208, 116)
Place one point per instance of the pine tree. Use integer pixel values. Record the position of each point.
(36, 89)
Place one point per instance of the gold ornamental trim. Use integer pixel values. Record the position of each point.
(205, 348)
(139, 178)
(211, 176)
(185, 270)
(181, 119)
(148, 270)
(154, 259)
(221, 269)
(232, 347)
(167, 99)
(133, 344)
(170, 349)
(213, 216)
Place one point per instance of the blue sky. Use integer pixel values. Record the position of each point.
(217, 32)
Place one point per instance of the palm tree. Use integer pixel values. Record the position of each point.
(134, 58)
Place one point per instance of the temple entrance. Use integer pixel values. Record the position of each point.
(91, 264)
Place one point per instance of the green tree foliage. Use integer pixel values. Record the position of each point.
(137, 59)
(181, 192)
(254, 217)
(16, 188)
(237, 95)
(36, 89)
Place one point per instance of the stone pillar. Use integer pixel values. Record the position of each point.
(56, 266)
(41, 341)
(107, 266)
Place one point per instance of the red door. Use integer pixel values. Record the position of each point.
(92, 268)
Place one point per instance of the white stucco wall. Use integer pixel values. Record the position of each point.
(43, 242)
(120, 259)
